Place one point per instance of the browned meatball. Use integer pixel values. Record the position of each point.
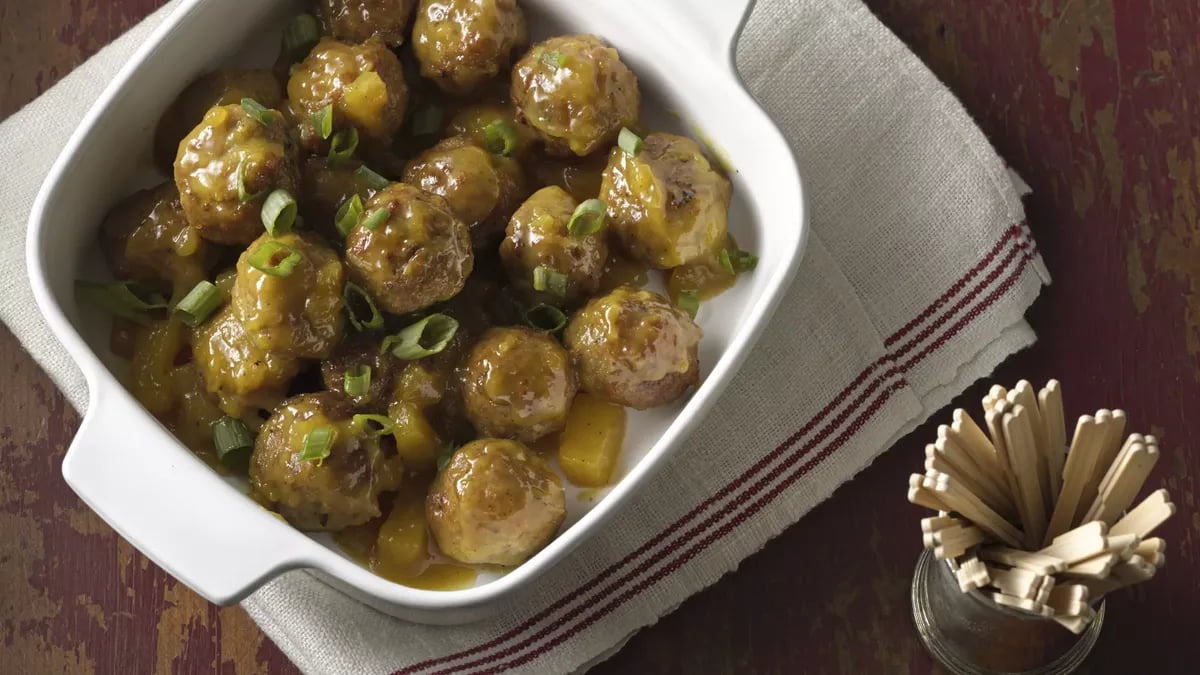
(518, 383)
(359, 20)
(299, 313)
(325, 186)
(495, 503)
(363, 83)
(461, 43)
(481, 188)
(147, 238)
(229, 143)
(473, 120)
(632, 347)
(667, 204)
(243, 377)
(362, 351)
(575, 91)
(419, 254)
(537, 236)
(330, 493)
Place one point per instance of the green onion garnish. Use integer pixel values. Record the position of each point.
(553, 59)
(119, 299)
(368, 424)
(426, 121)
(445, 456)
(274, 258)
(322, 121)
(546, 318)
(426, 337)
(376, 218)
(317, 444)
(688, 301)
(550, 280)
(258, 111)
(243, 194)
(354, 294)
(743, 261)
(372, 179)
(347, 215)
(723, 259)
(232, 441)
(588, 218)
(343, 145)
(300, 36)
(200, 303)
(279, 212)
(630, 142)
(356, 381)
(500, 137)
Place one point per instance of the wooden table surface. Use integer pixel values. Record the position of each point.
(1093, 101)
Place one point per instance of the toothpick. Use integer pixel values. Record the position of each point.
(1145, 517)
(1087, 433)
(1024, 396)
(1129, 477)
(1028, 606)
(1023, 456)
(1150, 546)
(1110, 445)
(1079, 544)
(1050, 405)
(967, 504)
(1034, 562)
(921, 496)
(944, 462)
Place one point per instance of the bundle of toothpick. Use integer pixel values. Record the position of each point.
(1033, 527)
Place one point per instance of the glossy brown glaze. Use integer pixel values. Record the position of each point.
(241, 376)
(358, 20)
(462, 43)
(537, 236)
(362, 351)
(326, 185)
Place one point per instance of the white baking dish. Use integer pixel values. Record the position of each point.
(202, 528)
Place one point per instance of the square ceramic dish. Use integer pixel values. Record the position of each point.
(202, 528)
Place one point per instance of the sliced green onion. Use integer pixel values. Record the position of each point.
(119, 299)
(351, 294)
(445, 456)
(744, 261)
(426, 337)
(630, 142)
(347, 215)
(426, 121)
(243, 194)
(553, 59)
(689, 301)
(500, 137)
(258, 111)
(550, 280)
(322, 121)
(546, 318)
(343, 145)
(723, 259)
(588, 218)
(274, 258)
(279, 212)
(317, 444)
(368, 424)
(372, 179)
(376, 218)
(200, 303)
(300, 36)
(356, 381)
(232, 441)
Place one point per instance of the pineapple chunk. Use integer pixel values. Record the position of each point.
(402, 547)
(591, 442)
(416, 442)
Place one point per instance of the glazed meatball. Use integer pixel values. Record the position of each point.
(495, 503)
(324, 187)
(357, 352)
(462, 43)
(333, 493)
(537, 236)
(473, 120)
(299, 313)
(518, 383)
(363, 83)
(243, 377)
(419, 255)
(359, 20)
(667, 204)
(632, 347)
(229, 143)
(147, 238)
(481, 189)
(575, 91)
(227, 86)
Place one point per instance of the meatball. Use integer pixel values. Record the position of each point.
(473, 120)
(147, 238)
(243, 377)
(462, 43)
(330, 493)
(359, 20)
(324, 187)
(537, 236)
(575, 91)
(495, 503)
(667, 204)
(229, 144)
(363, 83)
(356, 352)
(419, 255)
(482, 189)
(300, 313)
(220, 87)
(518, 383)
(632, 347)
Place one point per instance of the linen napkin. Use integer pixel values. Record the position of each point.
(918, 272)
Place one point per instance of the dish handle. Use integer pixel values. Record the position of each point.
(169, 504)
(719, 23)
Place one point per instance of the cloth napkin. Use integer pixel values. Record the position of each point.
(918, 272)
